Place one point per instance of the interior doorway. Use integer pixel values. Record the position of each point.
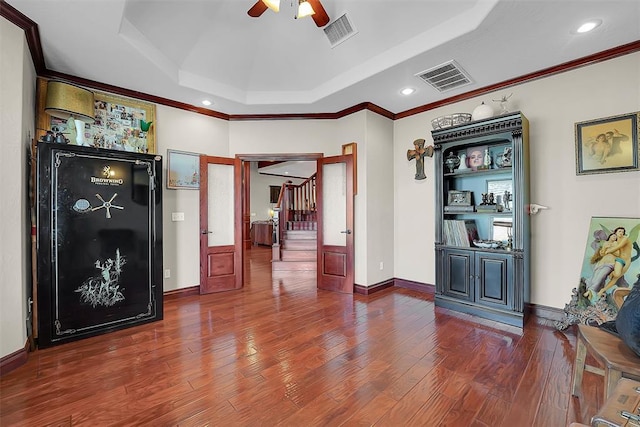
(258, 212)
(305, 239)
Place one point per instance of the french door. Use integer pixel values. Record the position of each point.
(220, 224)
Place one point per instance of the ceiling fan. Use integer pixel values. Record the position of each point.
(305, 8)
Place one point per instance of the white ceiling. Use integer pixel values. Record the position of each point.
(294, 169)
(189, 50)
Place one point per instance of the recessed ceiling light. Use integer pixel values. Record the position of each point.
(407, 91)
(206, 102)
(589, 26)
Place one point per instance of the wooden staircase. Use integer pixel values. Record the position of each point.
(296, 245)
(298, 251)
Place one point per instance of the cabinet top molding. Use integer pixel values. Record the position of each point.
(511, 122)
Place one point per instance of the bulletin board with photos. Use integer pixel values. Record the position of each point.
(121, 123)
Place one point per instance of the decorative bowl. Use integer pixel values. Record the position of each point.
(487, 244)
(450, 120)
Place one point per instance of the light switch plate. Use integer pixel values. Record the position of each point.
(177, 216)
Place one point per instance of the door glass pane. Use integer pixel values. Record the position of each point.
(221, 206)
(334, 202)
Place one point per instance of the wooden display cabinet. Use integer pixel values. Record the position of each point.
(482, 222)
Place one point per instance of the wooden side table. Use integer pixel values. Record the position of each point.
(615, 357)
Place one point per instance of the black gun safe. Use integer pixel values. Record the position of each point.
(99, 241)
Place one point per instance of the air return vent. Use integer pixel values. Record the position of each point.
(340, 30)
(445, 76)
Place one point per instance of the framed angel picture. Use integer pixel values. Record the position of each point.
(608, 145)
(610, 268)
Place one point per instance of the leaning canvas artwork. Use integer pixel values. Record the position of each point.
(609, 268)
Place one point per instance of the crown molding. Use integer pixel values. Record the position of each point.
(31, 32)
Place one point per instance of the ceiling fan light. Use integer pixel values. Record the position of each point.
(272, 4)
(304, 9)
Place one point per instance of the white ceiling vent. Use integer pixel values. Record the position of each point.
(445, 76)
(340, 30)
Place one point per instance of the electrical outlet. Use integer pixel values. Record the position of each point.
(167, 273)
(381, 265)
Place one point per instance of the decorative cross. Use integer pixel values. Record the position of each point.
(419, 153)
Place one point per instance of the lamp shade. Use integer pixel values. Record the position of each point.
(272, 4)
(304, 9)
(65, 100)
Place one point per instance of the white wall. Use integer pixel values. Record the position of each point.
(353, 128)
(180, 130)
(379, 210)
(260, 192)
(283, 137)
(17, 118)
(559, 235)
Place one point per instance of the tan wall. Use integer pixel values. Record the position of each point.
(17, 95)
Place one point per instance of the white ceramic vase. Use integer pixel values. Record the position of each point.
(482, 111)
(80, 133)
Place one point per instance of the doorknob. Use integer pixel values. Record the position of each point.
(206, 232)
(346, 232)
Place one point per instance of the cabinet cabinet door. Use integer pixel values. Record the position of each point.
(494, 278)
(458, 276)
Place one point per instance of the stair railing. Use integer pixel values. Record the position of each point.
(296, 204)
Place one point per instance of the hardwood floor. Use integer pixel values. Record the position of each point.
(280, 352)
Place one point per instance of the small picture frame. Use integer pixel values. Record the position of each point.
(502, 190)
(499, 186)
(459, 198)
(274, 193)
(608, 145)
(476, 157)
(506, 157)
(183, 170)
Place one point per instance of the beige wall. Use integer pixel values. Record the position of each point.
(349, 129)
(17, 97)
(260, 191)
(377, 175)
(180, 130)
(552, 105)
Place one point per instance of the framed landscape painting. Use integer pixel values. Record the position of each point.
(183, 170)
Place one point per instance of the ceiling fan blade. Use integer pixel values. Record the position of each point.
(320, 16)
(257, 9)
